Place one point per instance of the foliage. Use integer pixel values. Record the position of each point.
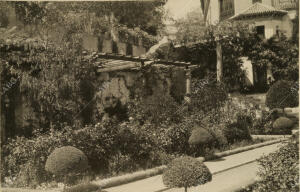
(280, 170)
(140, 18)
(85, 187)
(190, 28)
(50, 79)
(238, 130)
(200, 136)
(202, 141)
(235, 38)
(208, 94)
(110, 147)
(281, 52)
(282, 125)
(66, 160)
(282, 94)
(186, 172)
(264, 125)
(57, 79)
(177, 136)
(155, 109)
(141, 143)
(97, 142)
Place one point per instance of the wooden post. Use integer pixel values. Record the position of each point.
(219, 62)
(2, 116)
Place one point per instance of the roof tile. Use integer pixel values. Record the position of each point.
(259, 9)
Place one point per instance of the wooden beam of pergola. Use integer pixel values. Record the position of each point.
(117, 68)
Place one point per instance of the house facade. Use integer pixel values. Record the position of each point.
(269, 16)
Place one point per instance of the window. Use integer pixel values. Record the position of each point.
(260, 31)
(256, 1)
(226, 9)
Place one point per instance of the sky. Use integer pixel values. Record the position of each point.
(179, 8)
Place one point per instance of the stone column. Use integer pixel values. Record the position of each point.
(188, 77)
(270, 77)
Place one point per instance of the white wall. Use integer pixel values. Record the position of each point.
(270, 25)
(213, 14)
(247, 66)
(284, 23)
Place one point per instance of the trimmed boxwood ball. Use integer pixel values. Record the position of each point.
(85, 187)
(186, 172)
(283, 125)
(200, 136)
(66, 160)
(282, 94)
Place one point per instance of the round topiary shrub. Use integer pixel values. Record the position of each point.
(282, 94)
(200, 136)
(186, 172)
(282, 125)
(66, 160)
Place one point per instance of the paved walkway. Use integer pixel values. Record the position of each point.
(228, 181)
(229, 173)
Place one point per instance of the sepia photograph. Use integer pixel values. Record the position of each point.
(149, 96)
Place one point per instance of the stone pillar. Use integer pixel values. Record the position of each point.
(219, 62)
(270, 77)
(188, 76)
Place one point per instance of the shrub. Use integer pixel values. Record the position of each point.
(186, 172)
(280, 170)
(178, 135)
(238, 130)
(155, 110)
(264, 125)
(85, 187)
(201, 142)
(282, 94)
(282, 125)
(66, 160)
(27, 157)
(200, 136)
(208, 94)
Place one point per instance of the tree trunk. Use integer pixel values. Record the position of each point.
(185, 189)
(219, 62)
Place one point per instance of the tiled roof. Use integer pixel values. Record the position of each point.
(259, 9)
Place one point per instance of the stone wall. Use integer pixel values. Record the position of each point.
(118, 88)
(113, 91)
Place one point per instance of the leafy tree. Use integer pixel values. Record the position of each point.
(190, 29)
(148, 16)
(186, 172)
(54, 75)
